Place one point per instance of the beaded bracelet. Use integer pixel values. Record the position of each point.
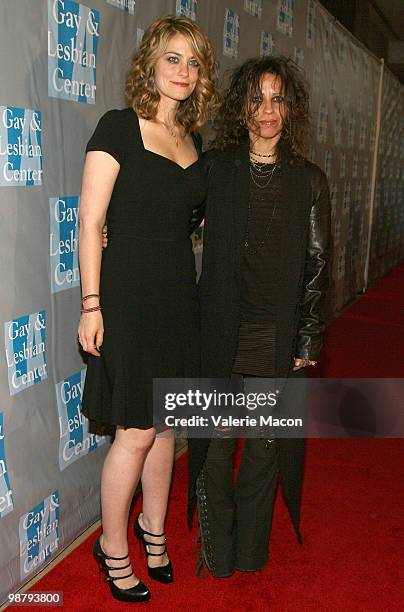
(95, 309)
(87, 297)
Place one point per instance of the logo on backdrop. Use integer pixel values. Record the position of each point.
(75, 439)
(284, 21)
(267, 45)
(25, 344)
(254, 7)
(20, 146)
(126, 5)
(231, 33)
(6, 494)
(186, 8)
(39, 534)
(64, 265)
(73, 35)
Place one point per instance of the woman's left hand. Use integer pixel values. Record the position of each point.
(302, 363)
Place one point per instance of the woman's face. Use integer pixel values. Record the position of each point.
(268, 120)
(177, 70)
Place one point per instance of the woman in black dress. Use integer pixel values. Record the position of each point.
(262, 287)
(144, 173)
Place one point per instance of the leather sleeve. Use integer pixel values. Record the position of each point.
(316, 272)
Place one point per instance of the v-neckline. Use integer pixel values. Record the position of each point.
(163, 156)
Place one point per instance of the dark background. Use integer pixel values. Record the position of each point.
(378, 24)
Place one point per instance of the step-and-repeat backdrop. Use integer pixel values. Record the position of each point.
(62, 65)
(387, 231)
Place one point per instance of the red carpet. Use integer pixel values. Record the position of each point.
(352, 525)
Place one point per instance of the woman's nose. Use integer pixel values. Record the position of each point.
(267, 106)
(184, 69)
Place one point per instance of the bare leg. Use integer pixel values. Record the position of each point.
(120, 475)
(156, 479)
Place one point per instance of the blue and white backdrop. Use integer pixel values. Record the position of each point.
(62, 65)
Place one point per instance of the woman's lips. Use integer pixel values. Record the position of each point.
(268, 123)
(181, 84)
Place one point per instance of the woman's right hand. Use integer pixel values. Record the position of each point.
(105, 237)
(91, 332)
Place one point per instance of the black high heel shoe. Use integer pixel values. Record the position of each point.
(139, 592)
(163, 573)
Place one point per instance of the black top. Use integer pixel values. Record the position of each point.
(148, 279)
(255, 353)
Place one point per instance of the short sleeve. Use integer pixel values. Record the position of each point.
(108, 136)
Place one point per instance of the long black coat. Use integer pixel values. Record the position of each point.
(301, 285)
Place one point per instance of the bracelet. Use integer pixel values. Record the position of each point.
(87, 297)
(84, 310)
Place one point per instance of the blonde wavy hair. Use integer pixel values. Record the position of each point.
(140, 89)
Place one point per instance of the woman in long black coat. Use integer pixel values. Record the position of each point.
(262, 287)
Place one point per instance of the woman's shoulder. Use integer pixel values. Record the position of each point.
(318, 181)
(216, 159)
(313, 170)
(113, 133)
(118, 116)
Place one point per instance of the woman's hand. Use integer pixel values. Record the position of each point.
(105, 237)
(302, 363)
(91, 332)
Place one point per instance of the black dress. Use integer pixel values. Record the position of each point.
(148, 279)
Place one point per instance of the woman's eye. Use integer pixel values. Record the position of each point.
(278, 99)
(172, 59)
(194, 63)
(257, 99)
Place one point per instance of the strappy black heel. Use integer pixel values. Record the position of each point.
(163, 573)
(140, 592)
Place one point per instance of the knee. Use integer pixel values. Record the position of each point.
(136, 440)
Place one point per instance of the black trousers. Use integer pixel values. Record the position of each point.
(235, 519)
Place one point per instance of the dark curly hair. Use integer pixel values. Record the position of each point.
(238, 106)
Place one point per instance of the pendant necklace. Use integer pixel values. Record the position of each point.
(259, 172)
(170, 130)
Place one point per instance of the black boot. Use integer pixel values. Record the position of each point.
(216, 508)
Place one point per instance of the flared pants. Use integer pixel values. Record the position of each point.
(235, 518)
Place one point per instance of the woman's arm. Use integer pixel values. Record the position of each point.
(316, 274)
(99, 176)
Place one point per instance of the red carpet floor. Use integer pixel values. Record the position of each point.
(352, 508)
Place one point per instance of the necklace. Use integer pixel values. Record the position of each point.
(259, 173)
(171, 131)
(259, 243)
(262, 154)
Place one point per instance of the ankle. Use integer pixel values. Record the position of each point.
(113, 548)
(152, 526)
